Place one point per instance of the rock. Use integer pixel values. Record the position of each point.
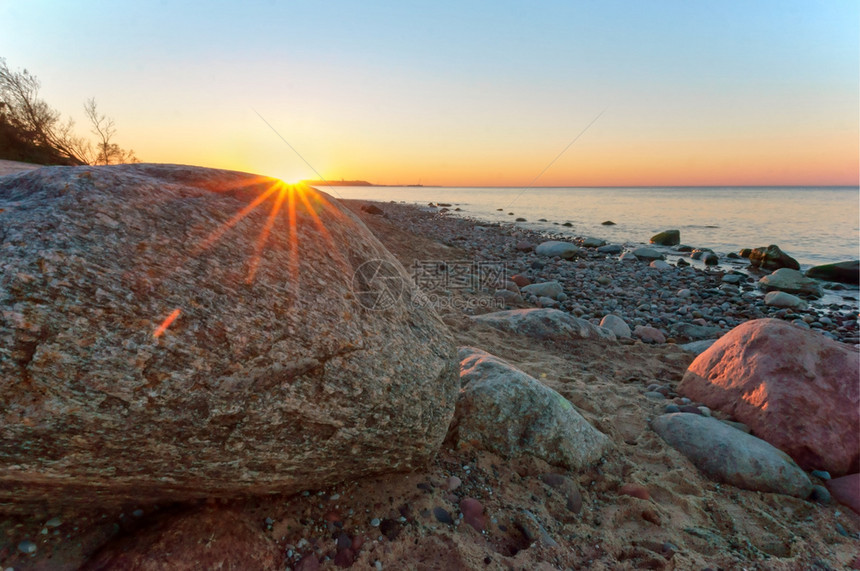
(710, 259)
(524, 246)
(506, 411)
(795, 388)
(442, 515)
(545, 289)
(732, 457)
(745, 253)
(554, 248)
(566, 487)
(610, 249)
(521, 220)
(782, 299)
(635, 491)
(154, 347)
(473, 513)
(648, 254)
(617, 325)
(608, 223)
(667, 238)
(770, 258)
(846, 490)
(544, 324)
(649, 334)
(660, 265)
(547, 302)
(27, 547)
(520, 280)
(372, 209)
(695, 332)
(682, 263)
(790, 281)
(200, 539)
(732, 279)
(508, 297)
(590, 242)
(820, 495)
(698, 347)
(844, 272)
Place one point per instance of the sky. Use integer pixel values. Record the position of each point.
(462, 93)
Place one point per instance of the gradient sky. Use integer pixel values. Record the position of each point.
(464, 93)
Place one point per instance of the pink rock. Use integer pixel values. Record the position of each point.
(794, 388)
(525, 246)
(521, 280)
(473, 513)
(635, 490)
(846, 490)
(649, 334)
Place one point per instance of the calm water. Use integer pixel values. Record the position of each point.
(814, 225)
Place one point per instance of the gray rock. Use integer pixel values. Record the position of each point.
(696, 332)
(648, 254)
(667, 238)
(544, 324)
(783, 299)
(590, 242)
(770, 258)
(732, 279)
(554, 248)
(731, 456)
(844, 272)
(616, 325)
(545, 289)
(790, 281)
(610, 249)
(504, 410)
(153, 346)
(660, 265)
(508, 297)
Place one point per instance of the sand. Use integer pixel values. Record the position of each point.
(687, 522)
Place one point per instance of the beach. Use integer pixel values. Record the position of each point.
(642, 505)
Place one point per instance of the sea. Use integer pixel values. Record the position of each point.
(814, 225)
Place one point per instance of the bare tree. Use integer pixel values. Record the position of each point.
(107, 152)
(34, 118)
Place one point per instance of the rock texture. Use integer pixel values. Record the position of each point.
(845, 272)
(504, 410)
(793, 387)
(770, 258)
(846, 490)
(544, 323)
(731, 456)
(167, 333)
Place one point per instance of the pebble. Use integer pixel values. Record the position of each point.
(672, 408)
(453, 483)
(374, 522)
(27, 547)
(442, 515)
(54, 522)
(822, 474)
(820, 494)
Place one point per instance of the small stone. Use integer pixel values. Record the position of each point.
(822, 474)
(453, 483)
(374, 522)
(442, 515)
(27, 547)
(54, 522)
(654, 395)
(672, 408)
(819, 494)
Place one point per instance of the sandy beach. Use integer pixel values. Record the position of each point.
(642, 506)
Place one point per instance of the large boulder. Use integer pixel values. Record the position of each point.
(770, 258)
(845, 272)
(171, 332)
(504, 410)
(790, 281)
(544, 323)
(793, 387)
(731, 456)
(555, 248)
(667, 238)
